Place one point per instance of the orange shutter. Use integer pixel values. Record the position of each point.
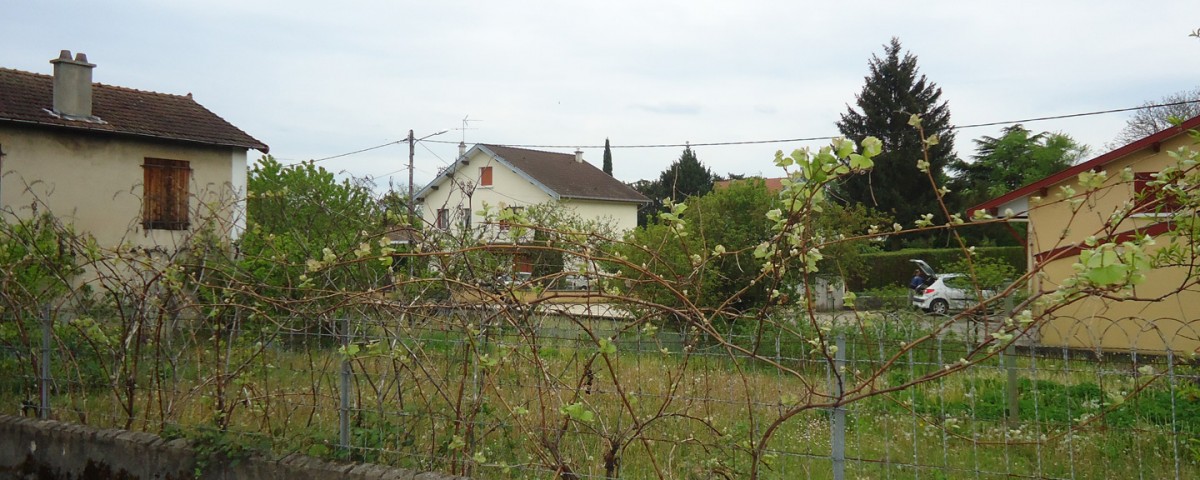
(485, 176)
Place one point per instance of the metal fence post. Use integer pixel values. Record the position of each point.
(344, 410)
(838, 425)
(44, 385)
(1014, 400)
(1012, 388)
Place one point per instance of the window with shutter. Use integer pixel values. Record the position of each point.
(465, 214)
(485, 176)
(165, 194)
(443, 218)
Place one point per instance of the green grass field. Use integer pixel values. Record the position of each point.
(534, 400)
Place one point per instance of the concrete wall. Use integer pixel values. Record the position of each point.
(95, 181)
(49, 449)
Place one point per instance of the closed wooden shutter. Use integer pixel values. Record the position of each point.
(165, 194)
(485, 176)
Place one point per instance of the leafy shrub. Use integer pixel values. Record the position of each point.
(893, 268)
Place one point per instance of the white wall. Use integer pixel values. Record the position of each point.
(511, 190)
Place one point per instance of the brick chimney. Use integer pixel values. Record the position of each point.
(73, 86)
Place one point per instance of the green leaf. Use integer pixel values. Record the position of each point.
(577, 411)
(349, 350)
(844, 147)
(607, 347)
(872, 146)
(860, 162)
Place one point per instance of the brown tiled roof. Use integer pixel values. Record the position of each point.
(26, 98)
(773, 184)
(568, 178)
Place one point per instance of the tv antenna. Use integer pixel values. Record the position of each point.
(466, 121)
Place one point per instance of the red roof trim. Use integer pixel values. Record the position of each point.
(1146, 142)
(1072, 250)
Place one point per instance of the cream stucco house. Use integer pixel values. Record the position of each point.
(516, 178)
(1161, 313)
(130, 167)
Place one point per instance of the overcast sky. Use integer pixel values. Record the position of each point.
(314, 79)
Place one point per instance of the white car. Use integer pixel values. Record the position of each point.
(945, 292)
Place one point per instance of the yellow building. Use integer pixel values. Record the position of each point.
(1063, 212)
(132, 168)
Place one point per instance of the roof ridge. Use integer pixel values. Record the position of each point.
(525, 149)
(138, 90)
(105, 85)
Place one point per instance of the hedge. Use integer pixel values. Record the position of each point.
(894, 268)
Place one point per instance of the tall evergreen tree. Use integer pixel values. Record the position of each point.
(686, 177)
(607, 158)
(893, 92)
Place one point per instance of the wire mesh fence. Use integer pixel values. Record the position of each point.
(514, 391)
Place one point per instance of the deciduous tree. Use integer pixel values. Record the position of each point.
(1154, 117)
(1010, 161)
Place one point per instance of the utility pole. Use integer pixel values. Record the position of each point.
(411, 209)
(411, 206)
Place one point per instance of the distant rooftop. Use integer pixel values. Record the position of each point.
(773, 184)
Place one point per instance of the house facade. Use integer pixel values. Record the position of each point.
(130, 167)
(515, 178)
(1065, 210)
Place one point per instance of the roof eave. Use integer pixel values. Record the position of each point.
(607, 199)
(520, 173)
(262, 147)
(1105, 159)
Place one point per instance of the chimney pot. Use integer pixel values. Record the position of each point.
(578, 155)
(462, 148)
(73, 86)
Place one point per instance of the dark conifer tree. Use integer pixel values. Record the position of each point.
(607, 158)
(685, 177)
(893, 92)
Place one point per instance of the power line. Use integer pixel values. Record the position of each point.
(1073, 115)
(359, 151)
(831, 137)
(779, 140)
